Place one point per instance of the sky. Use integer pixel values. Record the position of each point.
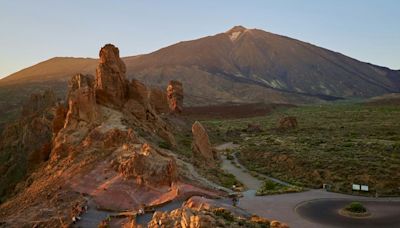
(33, 31)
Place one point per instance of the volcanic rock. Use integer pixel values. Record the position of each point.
(149, 166)
(158, 100)
(81, 100)
(175, 96)
(111, 83)
(59, 118)
(288, 122)
(202, 212)
(83, 114)
(201, 146)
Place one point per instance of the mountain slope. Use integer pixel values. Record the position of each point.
(269, 60)
(240, 65)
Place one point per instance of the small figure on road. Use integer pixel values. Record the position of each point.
(235, 200)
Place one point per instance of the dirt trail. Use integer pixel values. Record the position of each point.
(242, 173)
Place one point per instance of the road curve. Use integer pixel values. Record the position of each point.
(326, 213)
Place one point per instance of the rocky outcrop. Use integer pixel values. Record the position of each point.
(82, 115)
(81, 101)
(201, 212)
(148, 166)
(175, 96)
(158, 100)
(59, 118)
(288, 122)
(201, 146)
(111, 82)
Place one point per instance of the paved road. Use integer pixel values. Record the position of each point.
(301, 210)
(326, 212)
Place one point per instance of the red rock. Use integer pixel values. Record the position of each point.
(59, 118)
(149, 166)
(81, 101)
(175, 96)
(111, 83)
(287, 122)
(201, 146)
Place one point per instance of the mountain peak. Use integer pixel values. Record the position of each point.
(235, 32)
(237, 28)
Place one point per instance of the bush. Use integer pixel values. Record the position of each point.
(164, 145)
(356, 207)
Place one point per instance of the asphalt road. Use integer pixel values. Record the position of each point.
(325, 212)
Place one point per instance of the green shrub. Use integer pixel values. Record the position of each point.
(164, 145)
(356, 207)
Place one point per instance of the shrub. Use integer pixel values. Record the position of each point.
(164, 145)
(356, 207)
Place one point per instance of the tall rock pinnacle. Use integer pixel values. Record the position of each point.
(111, 81)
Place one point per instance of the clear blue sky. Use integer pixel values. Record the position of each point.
(34, 30)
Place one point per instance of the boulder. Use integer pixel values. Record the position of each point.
(253, 128)
(111, 82)
(201, 146)
(175, 96)
(287, 122)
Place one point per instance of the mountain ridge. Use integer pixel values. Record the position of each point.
(239, 65)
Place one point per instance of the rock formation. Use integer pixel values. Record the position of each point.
(201, 146)
(81, 100)
(149, 166)
(111, 83)
(103, 145)
(287, 122)
(200, 212)
(159, 101)
(175, 96)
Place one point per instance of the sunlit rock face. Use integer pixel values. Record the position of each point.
(148, 166)
(81, 100)
(175, 96)
(201, 146)
(111, 83)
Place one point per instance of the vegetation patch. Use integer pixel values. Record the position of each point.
(355, 209)
(337, 144)
(270, 188)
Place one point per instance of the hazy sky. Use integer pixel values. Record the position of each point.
(34, 30)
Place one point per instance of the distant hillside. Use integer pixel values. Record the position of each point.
(240, 65)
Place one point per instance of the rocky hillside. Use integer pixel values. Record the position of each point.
(97, 158)
(240, 65)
